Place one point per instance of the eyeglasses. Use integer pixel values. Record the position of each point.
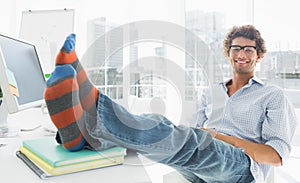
(249, 50)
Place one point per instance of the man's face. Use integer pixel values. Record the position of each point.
(243, 55)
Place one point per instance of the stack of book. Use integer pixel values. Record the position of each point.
(47, 158)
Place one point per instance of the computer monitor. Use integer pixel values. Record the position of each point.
(21, 78)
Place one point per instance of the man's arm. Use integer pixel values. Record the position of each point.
(260, 153)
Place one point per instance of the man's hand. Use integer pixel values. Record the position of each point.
(260, 153)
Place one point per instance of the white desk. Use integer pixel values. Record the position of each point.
(12, 169)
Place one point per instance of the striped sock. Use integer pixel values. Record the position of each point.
(61, 96)
(88, 93)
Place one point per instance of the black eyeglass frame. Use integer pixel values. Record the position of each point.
(242, 47)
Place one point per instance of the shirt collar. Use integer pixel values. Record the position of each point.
(253, 80)
(256, 80)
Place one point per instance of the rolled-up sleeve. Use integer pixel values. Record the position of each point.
(279, 125)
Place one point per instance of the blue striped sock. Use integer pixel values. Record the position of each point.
(64, 106)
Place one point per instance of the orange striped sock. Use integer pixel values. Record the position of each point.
(88, 93)
(61, 96)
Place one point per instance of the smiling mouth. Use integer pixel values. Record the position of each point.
(241, 61)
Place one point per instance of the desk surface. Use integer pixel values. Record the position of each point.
(12, 169)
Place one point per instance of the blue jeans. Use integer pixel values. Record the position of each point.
(193, 152)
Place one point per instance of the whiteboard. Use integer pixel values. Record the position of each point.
(47, 30)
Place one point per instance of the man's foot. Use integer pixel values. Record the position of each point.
(64, 106)
(88, 93)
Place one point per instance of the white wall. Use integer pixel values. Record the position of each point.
(7, 17)
(118, 11)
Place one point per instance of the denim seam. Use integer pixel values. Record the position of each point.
(226, 156)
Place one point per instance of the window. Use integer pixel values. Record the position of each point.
(277, 26)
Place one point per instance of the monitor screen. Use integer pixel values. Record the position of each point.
(20, 65)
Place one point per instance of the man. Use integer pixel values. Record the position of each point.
(253, 133)
(250, 114)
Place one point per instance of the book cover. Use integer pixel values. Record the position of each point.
(37, 170)
(50, 170)
(56, 155)
(42, 173)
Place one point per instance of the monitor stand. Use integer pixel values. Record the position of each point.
(5, 130)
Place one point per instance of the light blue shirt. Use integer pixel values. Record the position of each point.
(257, 112)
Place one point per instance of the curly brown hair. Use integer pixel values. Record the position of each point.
(246, 31)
